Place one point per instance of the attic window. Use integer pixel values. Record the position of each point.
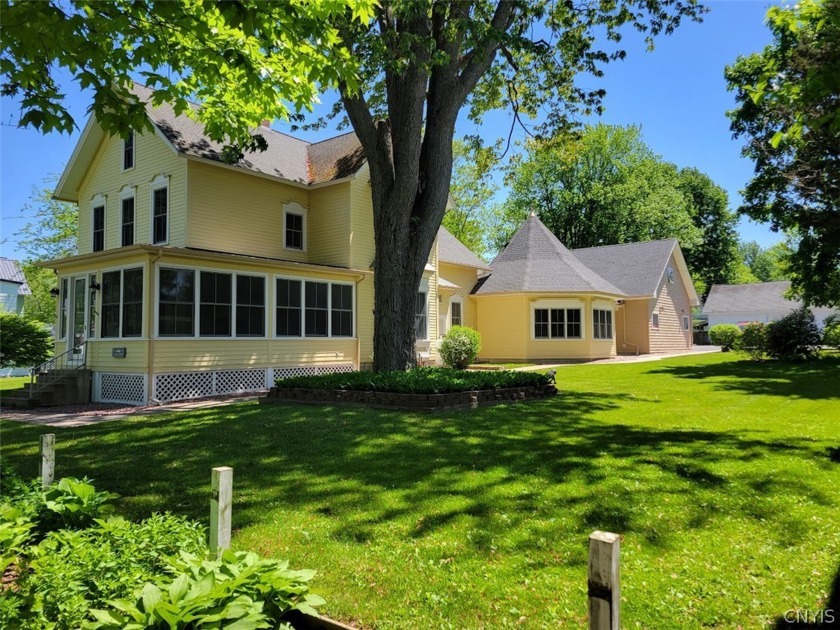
(128, 151)
(294, 227)
(669, 272)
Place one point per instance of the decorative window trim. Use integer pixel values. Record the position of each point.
(158, 183)
(128, 192)
(99, 201)
(133, 137)
(293, 207)
(303, 280)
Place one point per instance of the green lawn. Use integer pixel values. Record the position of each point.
(715, 470)
(12, 382)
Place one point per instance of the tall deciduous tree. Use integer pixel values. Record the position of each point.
(602, 187)
(788, 112)
(404, 74)
(766, 264)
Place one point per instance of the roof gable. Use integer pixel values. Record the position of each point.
(744, 298)
(454, 252)
(10, 272)
(534, 260)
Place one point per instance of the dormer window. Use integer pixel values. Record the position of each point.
(294, 227)
(128, 151)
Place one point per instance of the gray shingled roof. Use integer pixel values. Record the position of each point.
(286, 157)
(635, 268)
(10, 272)
(454, 252)
(743, 298)
(534, 260)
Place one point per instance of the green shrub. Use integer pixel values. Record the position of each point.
(24, 342)
(74, 503)
(831, 332)
(793, 337)
(753, 340)
(425, 380)
(724, 335)
(460, 347)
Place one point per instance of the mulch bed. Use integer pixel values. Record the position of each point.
(406, 402)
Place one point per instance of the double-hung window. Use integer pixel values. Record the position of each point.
(294, 230)
(250, 306)
(127, 221)
(420, 320)
(289, 309)
(215, 304)
(602, 322)
(128, 151)
(316, 313)
(98, 228)
(122, 303)
(455, 314)
(160, 211)
(341, 310)
(557, 323)
(176, 303)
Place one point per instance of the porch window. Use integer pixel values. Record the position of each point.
(98, 228)
(602, 320)
(317, 309)
(420, 319)
(176, 303)
(455, 314)
(128, 151)
(127, 221)
(557, 323)
(215, 304)
(160, 215)
(288, 308)
(65, 297)
(122, 303)
(341, 310)
(250, 306)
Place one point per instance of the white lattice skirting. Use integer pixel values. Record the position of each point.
(184, 385)
(128, 389)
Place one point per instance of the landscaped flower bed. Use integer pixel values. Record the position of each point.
(420, 388)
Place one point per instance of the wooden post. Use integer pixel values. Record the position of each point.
(221, 505)
(604, 585)
(47, 465)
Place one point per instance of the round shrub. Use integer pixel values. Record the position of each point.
(753, 340)
(24, 342)
(794, 336)
(831, 332)
(724, 335)
(460, 347)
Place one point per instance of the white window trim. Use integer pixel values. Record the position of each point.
(159, 182)
(133, 153)
(99, 200)
(455, 299)
(595, 324)
(293, 207)
(303, 280)
(63, 294)
(121, 268)
(197, 303)
(92, 334)
(558, 303)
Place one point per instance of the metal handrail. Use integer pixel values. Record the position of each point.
(55, 369)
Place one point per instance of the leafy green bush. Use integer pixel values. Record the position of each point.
(794, 336)
(238, 588)
(24, 342)
(753, 340)
(15, 534)
(425, 380)
(460, 347)
(831, 332)
(74, 503)
(724, 335)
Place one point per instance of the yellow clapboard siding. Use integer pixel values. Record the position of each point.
(361, 223)
(100, 357)
(672, 304)
(328, 225)
(465, 278)
(152, 157)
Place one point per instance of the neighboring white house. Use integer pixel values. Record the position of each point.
(764, 302)
(13, 290)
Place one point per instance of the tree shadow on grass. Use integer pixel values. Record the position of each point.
(367, 469)
(814, 380)
(825, 617)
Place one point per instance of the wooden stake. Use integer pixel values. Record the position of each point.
(221, 506)
(604, 583)
(47, 465)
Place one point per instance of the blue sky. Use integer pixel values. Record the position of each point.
(676, 93)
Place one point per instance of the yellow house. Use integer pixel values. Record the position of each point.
(195, 277)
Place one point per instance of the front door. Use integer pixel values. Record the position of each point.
(78, 318)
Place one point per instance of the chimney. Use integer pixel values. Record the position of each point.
(266, 123)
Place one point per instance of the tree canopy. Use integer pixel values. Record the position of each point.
(404, 71)
(788, 112)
